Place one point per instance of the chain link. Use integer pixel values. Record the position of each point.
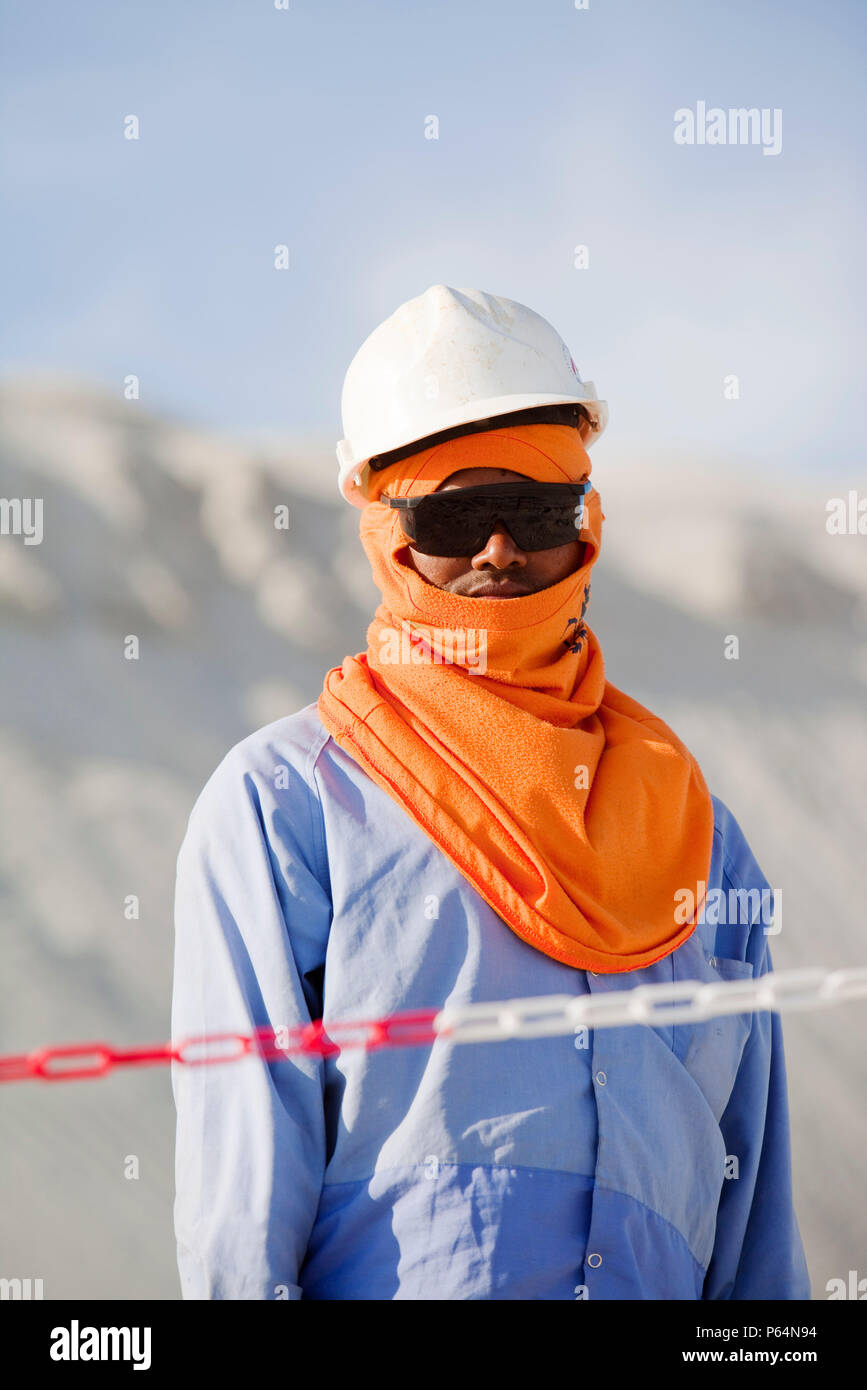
(687, 1001)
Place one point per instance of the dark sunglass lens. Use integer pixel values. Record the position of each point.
(544, 529)
(456, 525)
(448, 527)
(435, 531)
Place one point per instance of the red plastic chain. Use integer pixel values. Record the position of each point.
(270, 1044)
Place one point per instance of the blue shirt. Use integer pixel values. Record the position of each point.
(622, 1163)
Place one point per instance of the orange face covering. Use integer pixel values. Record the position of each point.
(573, 811)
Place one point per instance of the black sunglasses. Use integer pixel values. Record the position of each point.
(538, 516)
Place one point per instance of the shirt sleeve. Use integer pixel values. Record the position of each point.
(758, 1253)
(251, 922)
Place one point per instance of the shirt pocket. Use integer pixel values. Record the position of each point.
(711, 1051)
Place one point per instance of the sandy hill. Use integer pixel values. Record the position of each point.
(156, 528)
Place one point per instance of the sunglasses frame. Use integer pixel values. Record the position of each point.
(505, 492)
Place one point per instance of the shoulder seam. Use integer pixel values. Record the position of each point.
(728, 867)
(737, 882)
(317, 747)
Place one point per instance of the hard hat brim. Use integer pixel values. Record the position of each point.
(353, 475)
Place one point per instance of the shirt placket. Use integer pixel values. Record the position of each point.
(602, 1072)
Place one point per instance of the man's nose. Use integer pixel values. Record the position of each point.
(500, 551)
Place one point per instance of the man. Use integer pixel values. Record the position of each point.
(471, 812)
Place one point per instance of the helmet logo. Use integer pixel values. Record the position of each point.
(570, 363)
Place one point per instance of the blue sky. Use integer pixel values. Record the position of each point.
(306, 127)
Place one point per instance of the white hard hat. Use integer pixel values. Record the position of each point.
(444, 360)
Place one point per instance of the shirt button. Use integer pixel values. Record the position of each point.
(601, 1078)
(712, 962)
(594, 973)
(594, 1261)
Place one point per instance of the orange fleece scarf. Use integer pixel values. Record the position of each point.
(573, 811)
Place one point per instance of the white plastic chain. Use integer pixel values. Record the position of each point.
(688, 1001)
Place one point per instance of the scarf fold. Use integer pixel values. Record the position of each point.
(574, 812)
